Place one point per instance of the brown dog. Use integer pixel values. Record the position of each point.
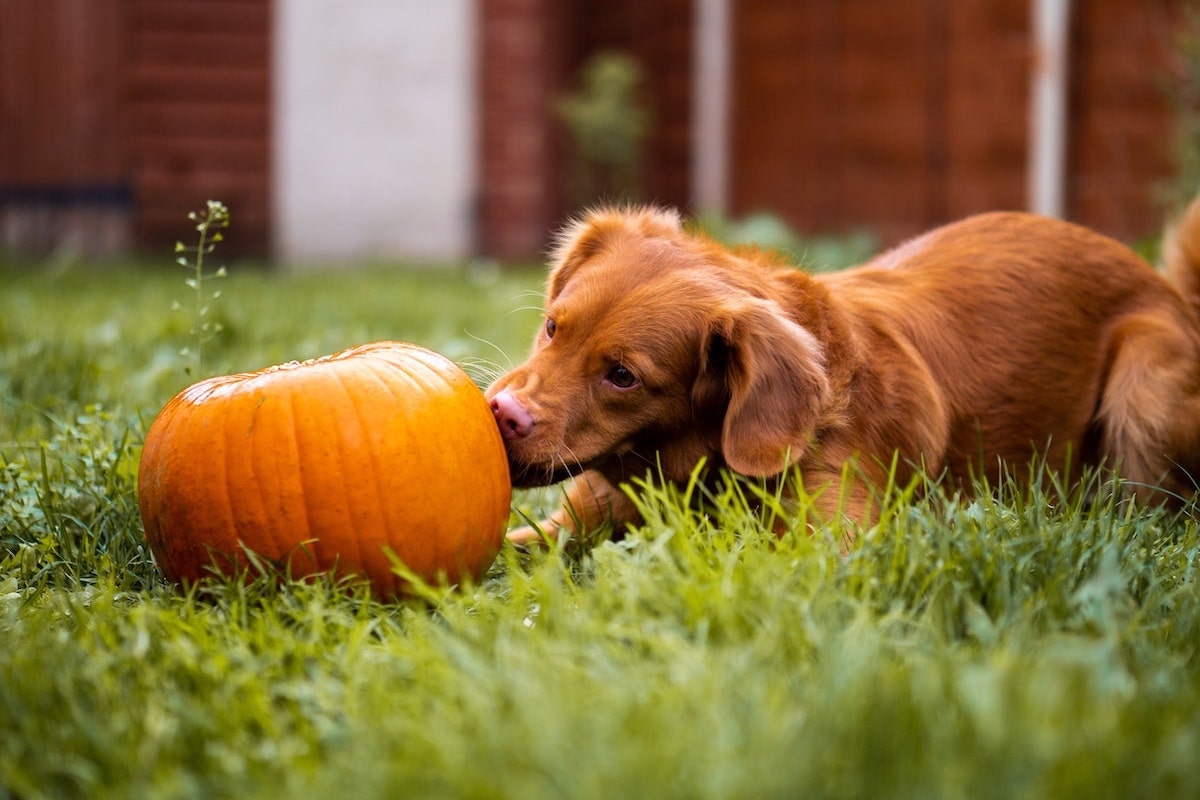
(977, 345)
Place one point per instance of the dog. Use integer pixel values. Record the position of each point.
(964, 353)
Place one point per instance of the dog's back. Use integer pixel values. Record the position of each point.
(1043, 336)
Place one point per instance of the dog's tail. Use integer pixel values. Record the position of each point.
(1181, 253)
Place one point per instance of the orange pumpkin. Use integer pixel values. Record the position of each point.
(327, 464)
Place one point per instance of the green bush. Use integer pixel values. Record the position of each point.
(817, 253)
(607, 123)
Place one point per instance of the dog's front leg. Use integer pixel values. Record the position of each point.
(842, 503)
(591, 501)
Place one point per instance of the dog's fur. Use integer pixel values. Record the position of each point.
(964, 352)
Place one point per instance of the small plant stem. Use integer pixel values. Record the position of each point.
(214, 216)
(203, 228)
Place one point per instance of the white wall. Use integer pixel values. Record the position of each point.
(374, 130)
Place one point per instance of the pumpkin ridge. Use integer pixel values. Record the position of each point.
(401, 372)
(258, 430)
(253, 528)
(306, 539)
(152, 467)
(226, 484)
(362, 560)
(438, 381)
(385, 503)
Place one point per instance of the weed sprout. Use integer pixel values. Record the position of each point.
(209, 224)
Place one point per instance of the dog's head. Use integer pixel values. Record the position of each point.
(658, 348)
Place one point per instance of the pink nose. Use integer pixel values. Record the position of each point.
(514, 419)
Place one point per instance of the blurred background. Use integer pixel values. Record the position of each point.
(340, 133)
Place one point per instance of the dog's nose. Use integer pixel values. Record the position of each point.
(514, 419)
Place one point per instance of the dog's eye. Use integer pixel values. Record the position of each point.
(551, 327)
(620, 377)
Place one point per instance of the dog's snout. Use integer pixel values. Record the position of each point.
(514, 419)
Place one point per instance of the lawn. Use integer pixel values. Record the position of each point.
(1034, 642)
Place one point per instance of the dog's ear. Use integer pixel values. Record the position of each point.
(772, 372)
(586, 236)
(578, 241)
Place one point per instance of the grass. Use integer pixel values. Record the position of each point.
(1038, 642)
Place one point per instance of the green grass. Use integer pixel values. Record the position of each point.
(1040, 643)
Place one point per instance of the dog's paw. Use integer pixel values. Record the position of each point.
(530, 536)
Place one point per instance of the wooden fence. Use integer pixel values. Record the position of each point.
(117, 117)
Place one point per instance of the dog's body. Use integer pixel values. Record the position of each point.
(977, 345)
